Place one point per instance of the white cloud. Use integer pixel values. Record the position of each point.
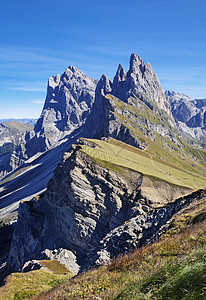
(40, 101)
(25, 89)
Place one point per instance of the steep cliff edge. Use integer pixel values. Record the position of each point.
(67, 105)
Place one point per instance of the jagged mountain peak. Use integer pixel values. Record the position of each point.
(104, 86)
(120, 74)
(135, 58)
(72, 71)
(138, 66)
(54, 81)
(136, 62)
(140, 81)
(72, 97)
(68, 102)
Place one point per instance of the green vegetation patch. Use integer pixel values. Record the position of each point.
(55, 267)
(175, 151)
(24, 295)
(30, 284)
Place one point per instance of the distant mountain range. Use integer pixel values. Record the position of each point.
(12, 135)
(28, 121)
(102, 154)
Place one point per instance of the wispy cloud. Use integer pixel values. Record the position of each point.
(26, 89)
(40, 101)
(26, 54)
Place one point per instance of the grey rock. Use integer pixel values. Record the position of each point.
(182, 106)
(31, 265)
(140, 81)
(139, 230)
(118, 83)
(67, 105)
(189, 114)
(64, 256)
(11, 135)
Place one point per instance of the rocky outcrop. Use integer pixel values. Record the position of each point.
(141, 230)
(189, 114)
(182, 107)
(103, 120)
(67, 105)
(11, 135)
(140, 81)
(83, 203)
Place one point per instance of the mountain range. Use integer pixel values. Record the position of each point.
(103, 171)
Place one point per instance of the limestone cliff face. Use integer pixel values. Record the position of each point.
(84, 202)
(141, 229)
(140, 81)
(189, 114)
(67, 105)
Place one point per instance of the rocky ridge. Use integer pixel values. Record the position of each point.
(84, 203)
(140, 81)
(141, 230)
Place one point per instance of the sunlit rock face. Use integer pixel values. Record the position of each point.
(189, 114)
(140, 81)
(67, 105)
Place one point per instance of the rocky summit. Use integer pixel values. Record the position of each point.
(104, 170)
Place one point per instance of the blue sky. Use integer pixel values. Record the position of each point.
(39, 39)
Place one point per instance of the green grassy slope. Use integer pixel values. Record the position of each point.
(117, 153)
(30, 284)
(145, 123)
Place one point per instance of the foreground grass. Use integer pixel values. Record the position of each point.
(172, 268)
(179, 280)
